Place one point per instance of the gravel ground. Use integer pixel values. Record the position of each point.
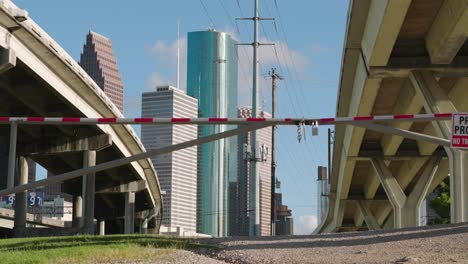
(435, 244)
(186, 257)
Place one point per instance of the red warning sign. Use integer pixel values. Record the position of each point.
(460, 130)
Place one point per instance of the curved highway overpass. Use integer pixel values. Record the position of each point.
(38, 78)
(401, 57)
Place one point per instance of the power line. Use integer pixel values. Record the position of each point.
(207, 13)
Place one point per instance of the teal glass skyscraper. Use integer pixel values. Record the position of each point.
(212, 79)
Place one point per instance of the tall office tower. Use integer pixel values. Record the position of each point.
(212, 79)
(263, 175)
(99, 62)
(177, 171)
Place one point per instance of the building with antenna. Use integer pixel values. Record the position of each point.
(212, 79)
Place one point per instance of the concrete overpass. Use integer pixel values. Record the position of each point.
(400, 57)
(39, 78)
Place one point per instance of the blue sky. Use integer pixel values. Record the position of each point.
(309, 40)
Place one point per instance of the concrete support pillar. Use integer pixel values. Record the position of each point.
(411, 209)
(395, 194)
(390, 223)
(129, 221)
(89, 180)
(77, 220)
(406, 208)
(436, 100)
(369, 217)
(12, 156)
(458, 185)
(21, 203)
(102, 227)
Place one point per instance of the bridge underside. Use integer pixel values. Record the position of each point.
(401, 57)
(38, 78)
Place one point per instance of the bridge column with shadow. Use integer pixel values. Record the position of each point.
(84, 198)
(436, 100)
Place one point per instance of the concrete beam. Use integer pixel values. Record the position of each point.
(411, 215)
(384, 21)
(7, 60)
(390, 223)
(393, 190)
(402, 67)
(408, 102)
(62, 145)
(405, 133)
(369, 217)
(135, 186)
(448, 31)
(435, 100)
(362, 101)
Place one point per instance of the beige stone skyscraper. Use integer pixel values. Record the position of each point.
(99, 62)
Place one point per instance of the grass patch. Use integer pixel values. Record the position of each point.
(91, 249)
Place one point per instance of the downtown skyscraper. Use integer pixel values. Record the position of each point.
(99, 62)
(212, 79)
(177, 171)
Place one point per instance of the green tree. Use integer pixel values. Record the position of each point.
(441, 204)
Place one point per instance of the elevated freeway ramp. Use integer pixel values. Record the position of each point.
(38, 78)
(400, 57)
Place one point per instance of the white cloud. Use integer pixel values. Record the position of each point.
(305, 224)
(317, 48)
(165, 56)
(268, 56)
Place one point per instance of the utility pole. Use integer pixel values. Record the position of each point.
(274, 76)
(254, 182)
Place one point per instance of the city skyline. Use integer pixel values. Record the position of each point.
(149, 43)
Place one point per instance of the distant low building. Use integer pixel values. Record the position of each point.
(284, 221)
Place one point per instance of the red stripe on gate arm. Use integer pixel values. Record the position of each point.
(216, 119)
(4, 119)
(257, 119)
(71, 119)
(35, 119)
(107, 120)
(327, 120)
(287, 120)
(180, 120)
(403, 116)
(144, 120)
(357, 118)
(443, 115)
